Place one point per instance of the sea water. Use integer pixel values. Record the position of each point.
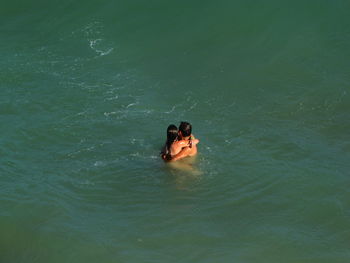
(88, 89)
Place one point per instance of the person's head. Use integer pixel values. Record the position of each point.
(171, 134)
(185, 129)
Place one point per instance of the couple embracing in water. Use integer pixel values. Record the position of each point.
(180, 143)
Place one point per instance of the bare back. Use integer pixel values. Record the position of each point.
(183, 148)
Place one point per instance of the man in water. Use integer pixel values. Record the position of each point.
(185, 134)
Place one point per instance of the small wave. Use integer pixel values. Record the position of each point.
(106, 52)
(137, 141)
(113, 98)
(193, 106)
(99, 164)
(109, 113)
(87, 182)
(131, 104)
(172, 109)
(75, 153)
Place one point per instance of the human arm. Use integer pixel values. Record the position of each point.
(186, 143)
(195, 141)
(183, 153)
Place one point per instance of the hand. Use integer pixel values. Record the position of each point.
(166, 158)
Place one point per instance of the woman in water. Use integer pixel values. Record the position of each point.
(174, 145)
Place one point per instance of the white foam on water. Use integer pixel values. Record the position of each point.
(94, 34)
(94, 46)
(104, 53)
(87, 149)
(99, 163)
(87, 182)
(112, 98)
(173, 109)
(109, 113)
(193, 106)
(132, 104)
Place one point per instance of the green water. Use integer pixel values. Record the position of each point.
(88, 89)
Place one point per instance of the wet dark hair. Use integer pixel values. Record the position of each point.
(185, 128)
(171, 136)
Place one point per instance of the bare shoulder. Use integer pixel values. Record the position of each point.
(176, 147)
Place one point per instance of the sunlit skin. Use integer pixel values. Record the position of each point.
(181, 149)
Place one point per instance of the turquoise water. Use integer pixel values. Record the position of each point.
(88, 89)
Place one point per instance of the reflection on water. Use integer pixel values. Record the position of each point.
(185, 172)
